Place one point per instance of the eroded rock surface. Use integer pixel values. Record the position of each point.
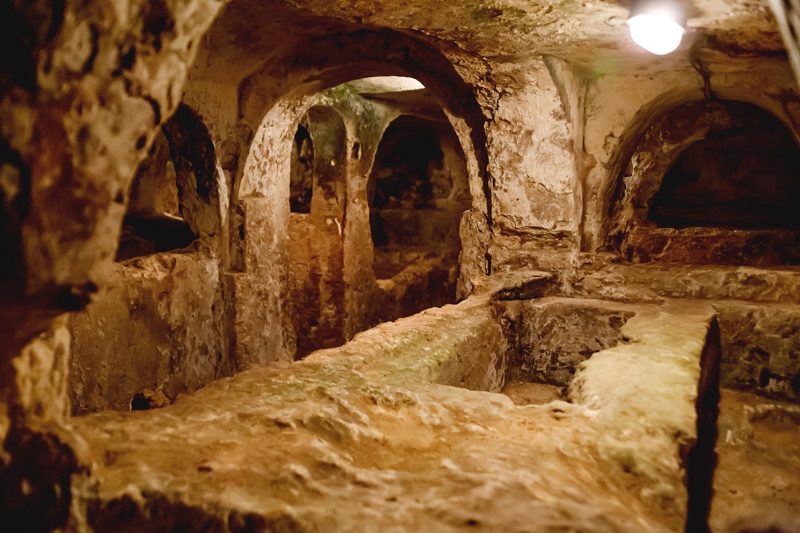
(375, 435)
(757, 481)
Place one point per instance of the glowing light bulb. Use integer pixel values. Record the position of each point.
(657, 28)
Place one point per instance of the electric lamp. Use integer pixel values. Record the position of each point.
(657, 25)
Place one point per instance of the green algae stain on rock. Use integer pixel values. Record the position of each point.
(516, 12)
(485, 14)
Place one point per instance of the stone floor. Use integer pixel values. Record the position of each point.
(758, 472)
(395, 431)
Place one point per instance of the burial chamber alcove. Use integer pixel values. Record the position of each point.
(157, 328)
(711, 182)
(385, 138)
(320, 211)
(153, 221)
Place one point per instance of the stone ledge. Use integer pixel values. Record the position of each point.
(363, 438)
(517, 285)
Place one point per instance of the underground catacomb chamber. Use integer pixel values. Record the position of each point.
(385, 144)
(410, 266)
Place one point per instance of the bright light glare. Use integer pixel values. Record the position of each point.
(656, 32)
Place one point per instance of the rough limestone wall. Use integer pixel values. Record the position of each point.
(153, 327)
(154, 190)
(303, 279)
(620, 107)
(79, 106)
(533, 148)
(554, 336)
(760, 347)
(326, 222)
(531, 156)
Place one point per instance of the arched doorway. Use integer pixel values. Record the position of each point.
(417, 191)
(711, 182)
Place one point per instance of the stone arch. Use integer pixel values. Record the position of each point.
(195, 162)
(650, 219)
(417, 192)
(270, 104)
(648, 114)
(436, 134)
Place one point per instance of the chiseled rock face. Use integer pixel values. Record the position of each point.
(81, 99)
(42, 372)
(757, 308)
(555, 335)
(157, 326)
(760, 347)
(373, 436)
(600, 277)
(712, 246)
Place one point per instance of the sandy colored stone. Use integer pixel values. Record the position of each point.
(157, 325)
(373, 435)
(547, 101)
(756, 481)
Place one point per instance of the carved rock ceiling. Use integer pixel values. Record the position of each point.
(592, 34)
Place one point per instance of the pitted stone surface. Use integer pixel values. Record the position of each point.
(373, 435)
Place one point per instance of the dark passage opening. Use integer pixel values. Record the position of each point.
(153, 222)
(302, 173)
(741, 178)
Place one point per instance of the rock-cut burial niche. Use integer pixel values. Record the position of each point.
(417, 193)
(711, 182)
(153, 222)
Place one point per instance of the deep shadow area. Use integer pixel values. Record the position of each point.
(744, 178)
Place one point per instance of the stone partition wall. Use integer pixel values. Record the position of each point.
(316, 244)
(757, 310)
(154, 332)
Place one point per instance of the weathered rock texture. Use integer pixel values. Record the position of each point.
(757, 311)
(398, 447)
(757, 479)
(158, 326)
(554, 337)
(549, 102)
(702, 171)
(80, 103)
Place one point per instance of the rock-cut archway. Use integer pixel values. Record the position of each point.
(271, 108)
(713, 182)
